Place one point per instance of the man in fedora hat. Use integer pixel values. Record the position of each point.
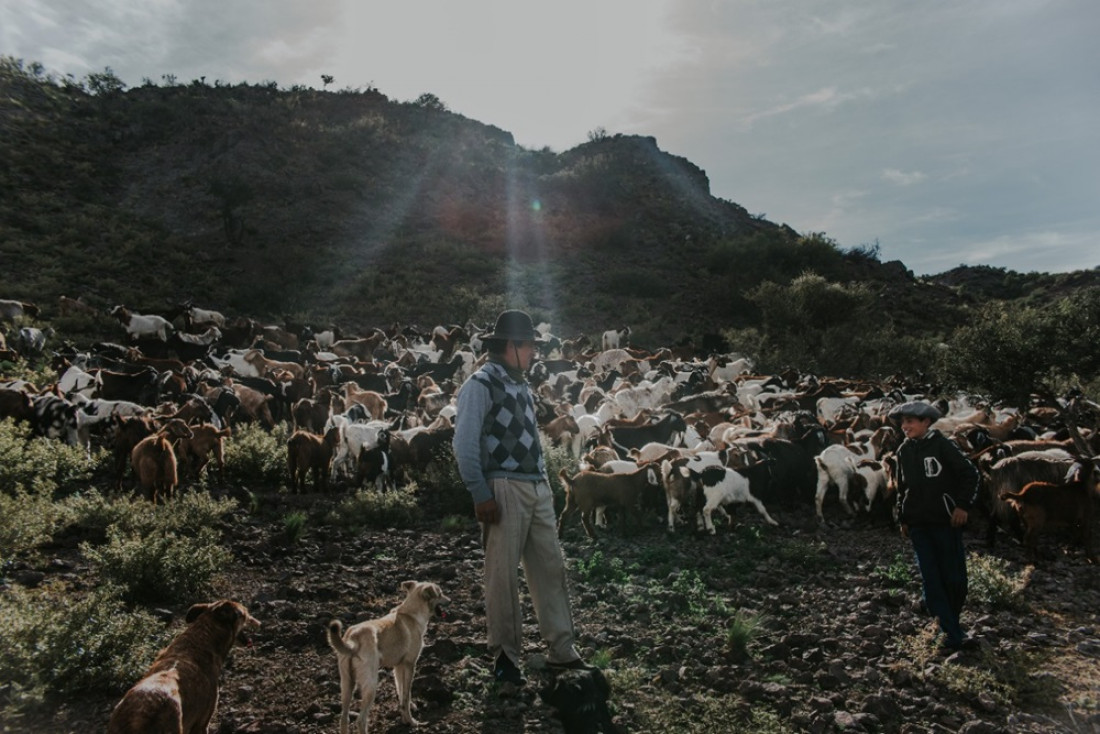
(500, 459)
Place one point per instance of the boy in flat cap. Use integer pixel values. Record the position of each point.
(937, 486)
(500, 459)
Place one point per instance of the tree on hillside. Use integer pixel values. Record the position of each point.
(431, 102)
(815, 324)
(1011, 352)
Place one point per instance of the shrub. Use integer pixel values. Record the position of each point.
(899, 572)
(95, 512)
(688, 595)
(374, 509)
(442, 487)
(29, 521)
(255, 456)
(743, 628)
(156, 568)
(58, 642)
(41, 465)
(992, 583)
(456, 523)
(294, 526)
(600, 568)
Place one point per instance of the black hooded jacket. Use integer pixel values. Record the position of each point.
(935, 477)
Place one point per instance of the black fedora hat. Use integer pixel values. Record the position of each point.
(513, 326)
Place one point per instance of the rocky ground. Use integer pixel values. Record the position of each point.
(841, 644)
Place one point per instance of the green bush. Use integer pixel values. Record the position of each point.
(688, 595)
(29, 521)
(373, 509)
(94, 512)
(456, 523)
(187, 514)
(158, 568)
(294, 526)
(441, 486)
(598, 567)
(41, 465)
(991, 582)
(743, 628)
(899, 572)
(254, 456)
(59, 642)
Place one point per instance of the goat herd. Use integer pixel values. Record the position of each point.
(674, 432)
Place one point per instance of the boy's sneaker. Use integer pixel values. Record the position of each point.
(966, 643)
(506, 671)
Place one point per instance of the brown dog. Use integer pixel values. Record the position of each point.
(394, 641)
(179, 692)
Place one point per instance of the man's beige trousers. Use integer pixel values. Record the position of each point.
(527, 533)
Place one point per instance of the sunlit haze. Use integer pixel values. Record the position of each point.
(947, 133)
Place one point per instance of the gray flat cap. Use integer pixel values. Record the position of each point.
(916, 409)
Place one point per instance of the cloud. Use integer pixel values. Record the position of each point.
(827, 98)
(832, 117)
(901, 178)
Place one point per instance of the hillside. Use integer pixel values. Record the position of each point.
(333, 207)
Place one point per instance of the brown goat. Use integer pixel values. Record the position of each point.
(309, 415)
(1045, 506)
(310, 453)
(561, 430)
(255, 406)
(154, 461)
(194, 452)
(16, 404)
(587, 491)
(128, 432)
(373, 401)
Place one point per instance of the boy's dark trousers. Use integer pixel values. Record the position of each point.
(941, 557)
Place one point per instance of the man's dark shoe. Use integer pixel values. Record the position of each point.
(577, 664)
(506, 671)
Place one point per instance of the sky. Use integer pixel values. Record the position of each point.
(944, 132)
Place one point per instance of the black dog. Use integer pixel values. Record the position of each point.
(579, 698)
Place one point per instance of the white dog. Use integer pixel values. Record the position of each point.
(394, 641)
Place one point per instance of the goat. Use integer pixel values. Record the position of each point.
(32, 340)
(354, 438)
(12, 310)
(613, 338)
(195, 451)
(73, 306)
(310, 415)
(561, 430)
(835, 465)
(312, 453)
(728, 368)
(719, 486)
(1045, 505)
(1011, 474)
(375, 465)
(204, 317)
(265, 366)
(373, 401)
(154, 461)
(55, 417)
(255, 405)
(669, 429)
(141, 325)
(16, 404)
(589, 490)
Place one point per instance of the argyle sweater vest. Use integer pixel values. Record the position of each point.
(510, 430)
